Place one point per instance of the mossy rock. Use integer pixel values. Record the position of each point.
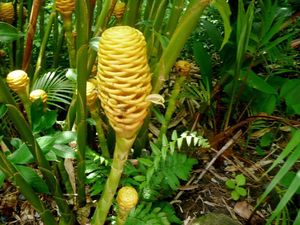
(215, 219)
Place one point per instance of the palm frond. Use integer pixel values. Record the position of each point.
(59, 89)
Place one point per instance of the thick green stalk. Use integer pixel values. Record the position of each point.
(132, 12)
(46, 35)
(20, 42)
(102, 140)
(82, 27)
(24, 130)
(185, 27)
(121, 151)
(175, 14)
(68, 28)
(102, 20)
(59, 43)
(171, 108)
(10, 171)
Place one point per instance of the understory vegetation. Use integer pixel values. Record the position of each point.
(129, 112)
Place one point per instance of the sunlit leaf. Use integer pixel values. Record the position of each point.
(9, 32)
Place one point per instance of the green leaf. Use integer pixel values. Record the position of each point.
(21, 156)
(139, 178)
(240, 180)
(64, 151)
(258, 83)
(213, 33)
(241, 191)
(203, 60)
(287, 180)
(3, 110)
(146, 162)
(266, 140)
(9, 32)
(289, 92)
(35, 181)
(297, 220)
(2, 178)
(286, 197)
(230, 184)
(224, 10)
(65, 137)
(235, 195)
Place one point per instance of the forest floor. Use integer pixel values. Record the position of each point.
(205, 191)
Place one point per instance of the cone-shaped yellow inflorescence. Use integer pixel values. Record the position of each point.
(65, 7)
(18, 81)
(124, 78)
(38, 93)
(127, 198)
(119, 10)
(7, 12)
(91, 93)
(183, 67)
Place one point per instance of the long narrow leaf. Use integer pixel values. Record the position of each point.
(286, 198)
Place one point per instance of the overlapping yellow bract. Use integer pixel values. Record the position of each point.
(127, 198)
(124, 78)
(119, 9)
(7, 12)
(91, 93)
(65, 7)
(38, 94)
(18, 80)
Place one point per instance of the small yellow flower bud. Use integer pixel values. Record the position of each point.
(17, 80)
(183, 67)
(119, 10)
(91, 93)
(127, 198)
(38, 93)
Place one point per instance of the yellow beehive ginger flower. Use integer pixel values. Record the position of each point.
(124, 79)
(38, 94)
(183, 67)
(91, 94)
(127, 198)
(65, 7)
(119, 10)
(18, 81)
(7, 12)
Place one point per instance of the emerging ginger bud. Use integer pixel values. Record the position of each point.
(91, 93)
(119, 10)
(7, 13)
(38, 93)
(18, 81)
(183, 67)
(124, 78)
(65, 7)
(127, 198)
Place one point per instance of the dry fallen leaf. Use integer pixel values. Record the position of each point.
(243, 209)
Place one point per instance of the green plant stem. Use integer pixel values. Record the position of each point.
(59, 43)
(171, 108)
(121, 151)
(132, 12)
(20, 42)
(102, 20)
(122, 216)
(102, 140)
(11, 172)
(82, 27)
(46, 35)
(186, 25)
(67, 217)
(174, 17)
(26, 103)
(68, 28)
